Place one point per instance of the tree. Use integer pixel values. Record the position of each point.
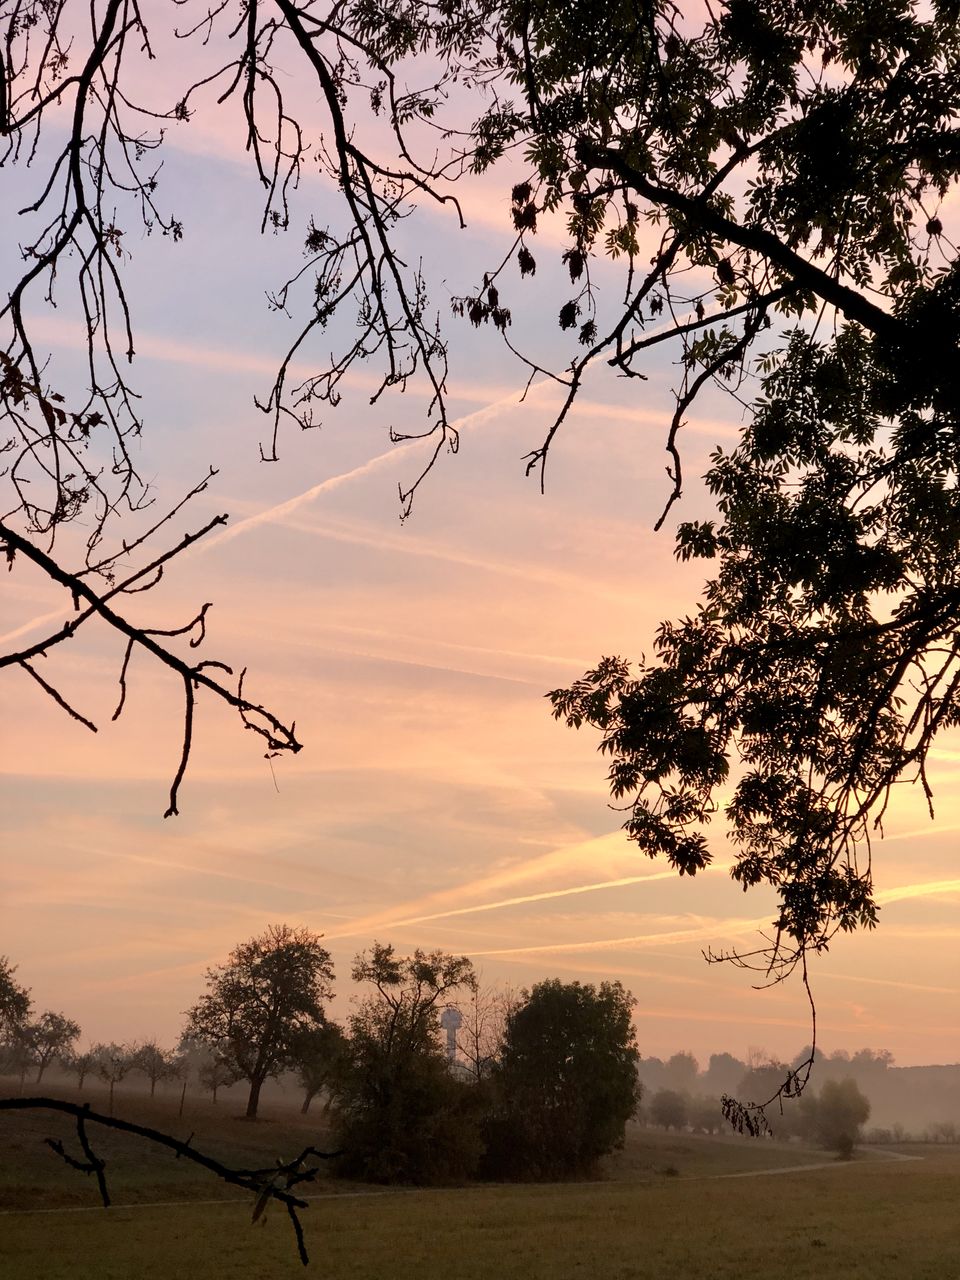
(215, 1073)
(705, 1114)
(320, 1056)
(681, 1072)
(14, 999)
(50, 1036)
(113, 1063)
(485, 1012)
(566, 1082)
(271, 990)
(155, 1063)
(400, 1114)
(669, 1109)
(837, 1115)
(724, 1073)
(81, 1064)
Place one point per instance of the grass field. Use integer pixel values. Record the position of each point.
(665, 1207)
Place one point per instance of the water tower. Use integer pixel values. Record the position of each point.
(450, 1021)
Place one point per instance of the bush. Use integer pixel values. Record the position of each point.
(566, 1083)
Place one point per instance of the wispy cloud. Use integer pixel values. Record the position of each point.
(548, 895)
(924, 889)
(609, 850)
(704, 932)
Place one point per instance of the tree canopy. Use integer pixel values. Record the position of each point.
(771, 180)
(14, 999)
(566, 1079)
(271, 991)
(401, 1115)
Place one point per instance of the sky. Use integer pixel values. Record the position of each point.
(436, 803)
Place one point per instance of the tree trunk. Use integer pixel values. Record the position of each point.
(254, 1100)
(153, 1085)
(308, 1097)
(43, 1067)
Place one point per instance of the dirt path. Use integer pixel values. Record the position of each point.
(871, 1153)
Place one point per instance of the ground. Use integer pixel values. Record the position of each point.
(691, 1208)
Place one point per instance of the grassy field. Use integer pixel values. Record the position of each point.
(665, 1207)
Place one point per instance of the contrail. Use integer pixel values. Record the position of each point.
(545, 896)
(700, 933)
(922, 890)
(273, 515)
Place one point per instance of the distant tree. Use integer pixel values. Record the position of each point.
(320, 1056)
(868, 1064)
(762, 1079)
(835, 1116)
(48, 1037)
(271, 990)
(400, 1114)
(723, 1074)
(14, 999)
(681, 1072)
(15, 1058)
(669, 1109)
(156, 1064)
(704, 1114)
(651, 1074)
(485, 1012)
(113, 1063)
(566, 1083)
(943, 1131)
(80, 1064)
(215, 1073)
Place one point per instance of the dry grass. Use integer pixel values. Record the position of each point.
(874, 1218)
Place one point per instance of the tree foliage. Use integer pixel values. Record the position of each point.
(669, 1109)
(836, 1116)
(156, 1063)
(320, 1055)
(14, 999)
(401, 1116)
(272, 990)
(566, 1081)
(49, 1037)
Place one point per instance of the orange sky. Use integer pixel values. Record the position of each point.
(436, 803)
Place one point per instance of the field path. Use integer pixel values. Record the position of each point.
(872, 1153)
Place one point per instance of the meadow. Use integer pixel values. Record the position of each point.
(681, 1206)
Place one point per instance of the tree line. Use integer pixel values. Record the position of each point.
(542, 1085)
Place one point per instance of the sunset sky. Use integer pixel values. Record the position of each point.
(436, 803)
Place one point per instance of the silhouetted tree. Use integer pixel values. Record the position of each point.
(485, 1012)
(48, 1037)
(400, 1114)
(705, 1114)
(271, 990)
(566, 1081)
(113, 1063)
(320, 1056)
(155, 1063)
(723, 1074)
(669, 1109)
(14, 1000)
(681, 1072)
(836, 1115)
(81, 1064)
(215, 1073)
